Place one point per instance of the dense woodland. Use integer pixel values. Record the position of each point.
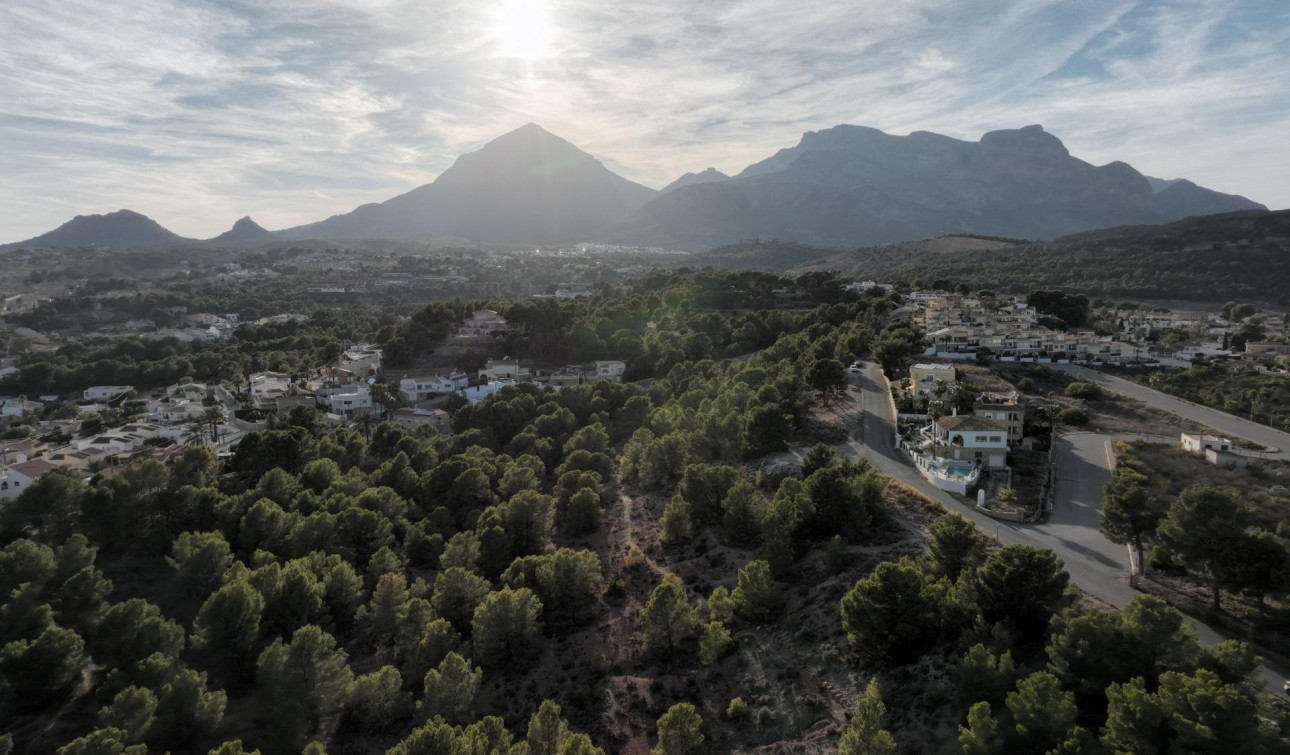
(604, 568)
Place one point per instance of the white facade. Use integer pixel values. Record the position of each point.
(174, 410)
(477, 393)
(355, 398)
(12, 407)
(414, 389)
(501, 369)
(968, 438)
(16, 478)
(105, 392)
(610, 370)
(264, 383)
(1199, 444)
(362, 360)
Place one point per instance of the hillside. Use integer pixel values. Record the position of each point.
(756, 254)
(525, 187)
(122, 229)
(1242, 256)
(244, 231)
(852, 185)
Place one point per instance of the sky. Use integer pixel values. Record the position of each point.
(198, 112)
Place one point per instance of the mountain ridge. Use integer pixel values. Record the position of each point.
(857, 185)
(843, 186)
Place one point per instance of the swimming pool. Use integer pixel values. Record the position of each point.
(959, 470)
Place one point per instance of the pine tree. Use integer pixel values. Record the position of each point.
(864, 734)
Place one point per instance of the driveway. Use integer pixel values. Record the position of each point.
(1084, 464)
(1222, 422)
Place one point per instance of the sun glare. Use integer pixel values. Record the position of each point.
(522, 29)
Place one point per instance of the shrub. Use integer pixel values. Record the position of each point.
(737, 709)
(1073, 417)
(1083, 390)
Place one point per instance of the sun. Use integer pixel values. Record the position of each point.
(522, 29)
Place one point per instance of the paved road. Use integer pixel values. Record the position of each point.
(1099, 567)
(1212, 418)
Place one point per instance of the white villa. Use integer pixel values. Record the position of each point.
(361, 360)
(436, 418)
(414, 389)
(347, 400)
(16, 478)
(105, 392)
(972, 439)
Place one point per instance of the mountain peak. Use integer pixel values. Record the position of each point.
(1032, 139)
(527, 186)
(243, 231)
(710, 175)
(123, 228)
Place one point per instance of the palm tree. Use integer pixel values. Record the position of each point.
(365, 419)
(195, 433)
(214, 417)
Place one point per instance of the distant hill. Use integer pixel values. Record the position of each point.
(874, 260)
(711, 175)
(852, 185)
(525, 187)
(244, 231)
(1241, 256)
(123, 229)
(760, 255)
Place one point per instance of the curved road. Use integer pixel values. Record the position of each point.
(1084, 464)
(1212, 418)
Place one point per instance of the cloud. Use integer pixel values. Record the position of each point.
(290, 111)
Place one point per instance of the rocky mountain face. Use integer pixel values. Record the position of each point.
(852, 185)
(118, 230)
(244, 231)
(526, 187)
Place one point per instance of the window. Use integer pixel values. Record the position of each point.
(996, 439)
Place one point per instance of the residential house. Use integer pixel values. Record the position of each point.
(1198, 444)
(570, 375)
(611, 369)
(353, 398)
(16, 478)
(502, 369)
(363, 360)
(1008, 413)
(482, 322)
(18, 450)
(16, 407)
(105, 392)
(924, 377)
(436, 418)
(414, 389)
(973, 439)
(174, 410)
(1225, 459)
(265, 383)
(477, 393)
